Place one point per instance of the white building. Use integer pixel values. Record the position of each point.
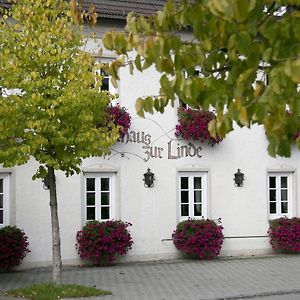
(269, 189)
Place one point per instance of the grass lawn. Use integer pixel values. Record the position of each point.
(51, 292)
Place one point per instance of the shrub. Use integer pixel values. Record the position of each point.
(101, 242)
(193, 124)
(13, 247)
(120, 117)
(285, 234)
(203, 238)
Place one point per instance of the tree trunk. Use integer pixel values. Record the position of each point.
(56, 252)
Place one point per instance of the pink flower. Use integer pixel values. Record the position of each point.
(13, 247)
(193, 124)
(101, 242)
(120, 117)
(285, 234)
(203, 238)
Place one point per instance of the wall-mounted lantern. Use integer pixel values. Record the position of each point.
(46, 185)
(238, 178)
(148, 179)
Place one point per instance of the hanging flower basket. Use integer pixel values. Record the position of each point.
(285, 234)
(120, 117)
(193, 125)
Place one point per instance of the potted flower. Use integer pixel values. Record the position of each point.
(13, 247)
(120, 117)
(102, 242)
(199, 237)
(193, 124)
(285, 234)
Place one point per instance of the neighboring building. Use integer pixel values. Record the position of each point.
(191, 179)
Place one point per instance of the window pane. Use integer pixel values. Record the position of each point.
(283, 195)
(90, 199)
(184, 210)
(197, 196)
(197, 182)
(284, 207)
(90, 213)
(273, 207)
(197, 210)
(272, 195)
(184, 197)
(272, 182)
(1, 217)
(1, 185)
(104, 198)
(90, 184)
(104, 213)
(105, 84)
(283, 182)
(1, 201)
(184, 182)
(104, 184)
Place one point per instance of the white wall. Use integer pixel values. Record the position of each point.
(154, 211)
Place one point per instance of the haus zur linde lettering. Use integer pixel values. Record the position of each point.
(173, 149)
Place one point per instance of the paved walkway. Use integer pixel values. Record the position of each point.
(180, 279)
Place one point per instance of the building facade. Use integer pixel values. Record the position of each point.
(192, 179)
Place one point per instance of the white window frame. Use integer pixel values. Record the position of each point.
(98, 205)
(113, 90)
(6, 199)
(191, 189)
(278, 189)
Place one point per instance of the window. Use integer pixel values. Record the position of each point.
(192, 195)
(108, 86)
(105, 82)
(4, 200)
(280, 194)
(99, 196)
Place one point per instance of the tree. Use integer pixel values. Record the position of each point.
(52, 108)
(247, 52)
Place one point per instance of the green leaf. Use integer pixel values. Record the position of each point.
(139, 106)
(138, 63)
(292, 69)
(107, 40)
(212, 128)
(240, 9)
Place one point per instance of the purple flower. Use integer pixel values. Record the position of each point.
(120, 117)
(193, 124)
(285, 234)
(13, 247)
(101, 242)
(203, 238)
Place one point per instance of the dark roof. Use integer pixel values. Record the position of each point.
(117, 9)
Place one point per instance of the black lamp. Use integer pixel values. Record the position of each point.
(46, 184)
(148, 179)
(238, 178)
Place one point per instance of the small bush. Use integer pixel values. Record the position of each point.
(101, 242)
(203, 238)
(13, 247)
(285, 234)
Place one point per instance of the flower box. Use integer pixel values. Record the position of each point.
(193, 125)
